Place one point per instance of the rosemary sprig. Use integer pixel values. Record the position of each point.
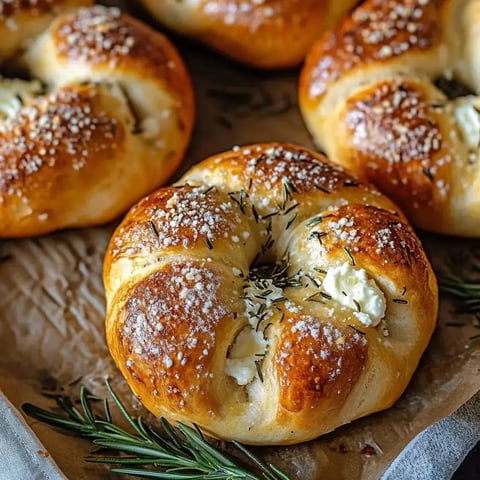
(177, 453)
(466, 290)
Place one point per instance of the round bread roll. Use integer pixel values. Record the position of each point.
(269, 297)
(373, 79)
(106, 119)
(261, 33)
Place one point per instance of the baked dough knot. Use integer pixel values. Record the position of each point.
(268, 297)
(260, 33)
(105, 120)
(375, 78)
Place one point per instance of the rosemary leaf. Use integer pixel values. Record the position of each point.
(349, 255)
(465, 289)
(171, 475)
(256, 461)
(122, 460)
(84, 401)
(135, 449)
(106, 409)
(153, 228)
(259, 369)
(124, 412)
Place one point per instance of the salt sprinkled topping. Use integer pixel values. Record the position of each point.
(380, 30)
(96, 34)
(182, 216)
(9, 8)
(344, 231)
(292, 307)
(393, 29)
(393, 127)
(356, 229)
(384, 239)
(185, 294)
(191, 214)
(101, 35)
(351, 233)
(324, 349)
(272, 168)
(307, 327)
(393, 123)
(232, 11)
(60, 125)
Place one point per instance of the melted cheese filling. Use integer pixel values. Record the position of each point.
(14, 94)
(468, 120)
(250, 345)
(353, 289)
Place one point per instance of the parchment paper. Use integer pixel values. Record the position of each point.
(52, 305)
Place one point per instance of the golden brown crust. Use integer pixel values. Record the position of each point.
(183, 284)
(156, 337)
(373, 236)
(12, 8)
(266, 34)
(175, 218)
(324, 366)
(268, 170)
(103, 139)
(373, 78)
(106, 37)
(53, 149)
(61, 131)
(397, 139)
(378, 31)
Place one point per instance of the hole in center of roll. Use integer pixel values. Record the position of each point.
(466, 108)
(266, 281)
(14, 67)
(452, 87)
(17, 87)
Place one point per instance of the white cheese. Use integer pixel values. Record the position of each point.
(151, 127)
(14, 93)
(353, 289)
(249, 347)
(468, 120)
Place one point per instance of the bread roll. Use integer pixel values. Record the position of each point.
(261, 33)
(373, 79)
(269, 297)
(112, 124)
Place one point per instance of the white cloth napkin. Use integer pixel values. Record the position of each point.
(435, 454)
(438, 451)
(21, 452)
